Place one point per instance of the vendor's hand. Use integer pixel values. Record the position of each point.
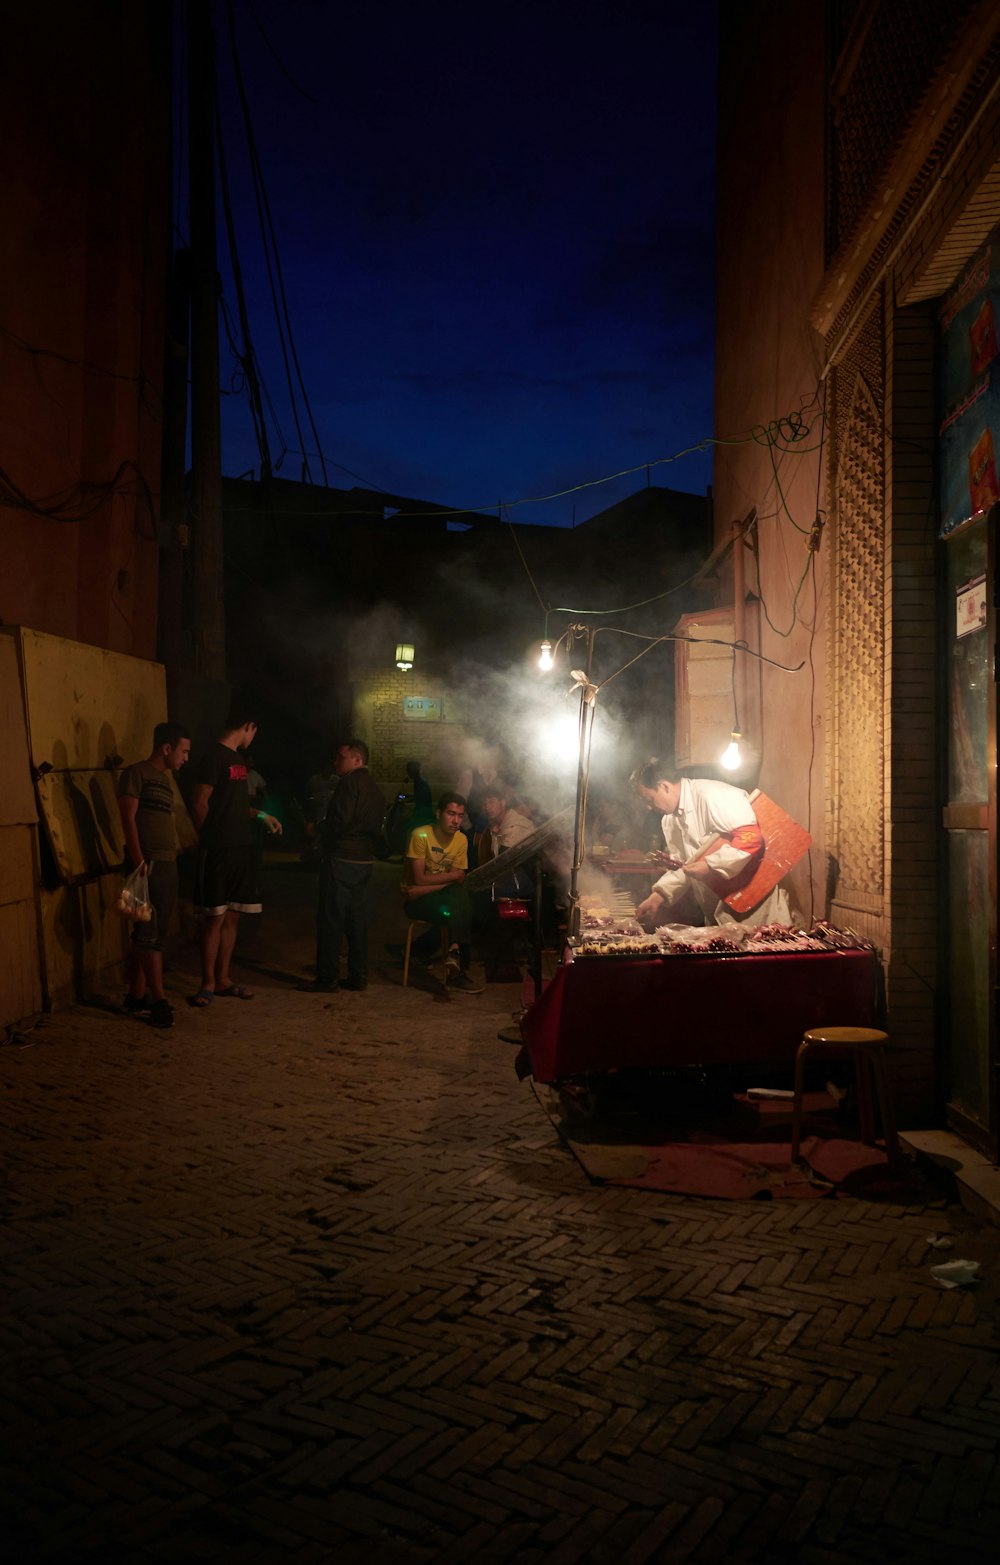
(699, 870)
(649, 911)
(271, 822)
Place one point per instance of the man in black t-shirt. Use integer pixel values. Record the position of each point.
(227, 877)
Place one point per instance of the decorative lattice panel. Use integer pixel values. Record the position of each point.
(878, 92)
(856, 620)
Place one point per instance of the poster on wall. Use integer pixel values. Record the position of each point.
(969, 390)
(970, 607)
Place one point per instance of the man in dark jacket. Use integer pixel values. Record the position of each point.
(350, 836)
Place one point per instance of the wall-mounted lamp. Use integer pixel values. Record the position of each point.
(404, 656)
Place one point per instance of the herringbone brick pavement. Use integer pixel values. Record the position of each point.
(312, 1279)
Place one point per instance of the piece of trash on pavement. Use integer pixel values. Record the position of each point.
(956, 1274)
(939, 1242)
(769, 1092)
(838, 1094)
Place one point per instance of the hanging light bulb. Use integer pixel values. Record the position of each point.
(731, 757)
(545, 660)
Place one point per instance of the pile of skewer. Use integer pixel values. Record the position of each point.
(607, 930)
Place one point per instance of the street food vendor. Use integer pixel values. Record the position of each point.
(696, 811)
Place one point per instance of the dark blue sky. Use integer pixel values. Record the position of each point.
(496, 232)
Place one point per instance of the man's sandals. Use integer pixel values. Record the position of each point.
(203, 999)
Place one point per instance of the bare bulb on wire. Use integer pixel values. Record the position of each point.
(545, 659)
(731, 757)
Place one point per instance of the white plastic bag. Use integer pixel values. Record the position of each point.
(133, 900)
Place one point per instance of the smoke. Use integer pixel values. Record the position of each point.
(471, 603)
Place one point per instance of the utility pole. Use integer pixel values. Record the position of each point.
(174, 643)
(209, 623)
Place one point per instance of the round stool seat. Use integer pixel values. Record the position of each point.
(845, 1037)
(867, 1046)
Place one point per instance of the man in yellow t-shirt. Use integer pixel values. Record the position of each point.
(437, 858)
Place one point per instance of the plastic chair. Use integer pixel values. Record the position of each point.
(445, 947)
(866, 1046)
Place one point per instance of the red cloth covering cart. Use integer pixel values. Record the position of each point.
(601, 1014)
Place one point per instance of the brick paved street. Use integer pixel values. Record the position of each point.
(312, 1279)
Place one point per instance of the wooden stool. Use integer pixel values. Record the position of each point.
(445, 947)
(867, 1047)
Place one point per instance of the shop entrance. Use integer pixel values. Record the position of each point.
(970, 830)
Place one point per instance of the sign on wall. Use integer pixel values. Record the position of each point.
(969, 394)
(423, 709)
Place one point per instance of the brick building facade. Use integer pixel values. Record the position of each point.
(859, 175)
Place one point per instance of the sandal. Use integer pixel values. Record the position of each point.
(202, 999)
(235, 992)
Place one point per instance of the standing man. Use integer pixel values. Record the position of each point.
(227, 876)
(696, 811)
(423, 807)
(351, 833)
(146, 806)
(437, 858)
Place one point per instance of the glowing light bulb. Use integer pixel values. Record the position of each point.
(557, 741)
(545, 660)
(731, 757)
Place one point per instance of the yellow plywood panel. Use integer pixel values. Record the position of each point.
(80, 811)
(62, 681)
(84, 939)
(85, 705)
(17, 797)
(17, 873)
(135, 700)
(20, 982)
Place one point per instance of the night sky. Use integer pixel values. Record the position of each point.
(496, 236)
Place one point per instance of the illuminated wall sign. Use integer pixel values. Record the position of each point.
(970, 605)
(423, 709)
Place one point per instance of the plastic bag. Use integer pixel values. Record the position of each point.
(133, 900)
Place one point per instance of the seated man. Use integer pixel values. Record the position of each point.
(437, 858)
(695, 812)
(505, 827)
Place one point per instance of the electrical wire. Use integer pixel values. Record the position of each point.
(246, 359)
(487, 508)
(282, 67)
(273, 261)
(527, 572)
(575, 631)
(147, 387)
(81, 501)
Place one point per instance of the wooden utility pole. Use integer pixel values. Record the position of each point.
(208, 605)
(174, 643)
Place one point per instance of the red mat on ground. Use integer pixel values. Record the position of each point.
(752, 1163)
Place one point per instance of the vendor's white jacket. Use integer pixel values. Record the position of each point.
(705, 809)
